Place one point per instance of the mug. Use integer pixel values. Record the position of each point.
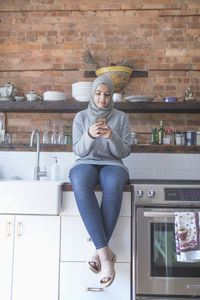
(117, 97)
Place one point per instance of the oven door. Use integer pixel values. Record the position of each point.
(157, 270)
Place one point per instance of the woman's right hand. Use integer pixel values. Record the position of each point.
(96, 130)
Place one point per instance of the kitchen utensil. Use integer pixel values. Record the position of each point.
(7, 92)
(19, 98)
(32, 96)
(117, 97)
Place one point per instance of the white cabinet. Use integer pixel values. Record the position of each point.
(6, 255)
(76, 280)
(81, 248)
(30, 257)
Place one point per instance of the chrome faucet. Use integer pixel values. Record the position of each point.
(37, 172)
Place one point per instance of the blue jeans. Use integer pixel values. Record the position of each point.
(100, 220)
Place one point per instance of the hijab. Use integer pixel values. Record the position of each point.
(93, 111)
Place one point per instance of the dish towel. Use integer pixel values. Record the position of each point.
(187, 236)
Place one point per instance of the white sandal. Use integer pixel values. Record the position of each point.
(94, 259)
(108, 271)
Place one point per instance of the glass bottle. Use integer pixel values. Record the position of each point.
(68, 135)
(154, 136)
(161, 133)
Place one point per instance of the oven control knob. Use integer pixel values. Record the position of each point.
(139, 193)
(151, 193)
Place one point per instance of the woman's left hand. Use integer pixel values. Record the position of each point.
(106, 131)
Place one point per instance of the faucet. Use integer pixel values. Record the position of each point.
(37, 172)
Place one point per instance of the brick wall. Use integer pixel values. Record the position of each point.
(42, 43)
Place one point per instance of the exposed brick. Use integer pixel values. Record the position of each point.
(156, 34)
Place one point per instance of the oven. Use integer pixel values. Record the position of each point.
(158, 274)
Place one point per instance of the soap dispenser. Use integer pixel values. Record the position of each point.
(55, 169)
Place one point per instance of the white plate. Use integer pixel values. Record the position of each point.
(139, 98)
(82, 84)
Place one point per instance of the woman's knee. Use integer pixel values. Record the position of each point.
(82, 175)
(114, 177)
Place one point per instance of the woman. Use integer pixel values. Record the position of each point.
(101, 138)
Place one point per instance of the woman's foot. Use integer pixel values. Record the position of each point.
(108, 271)
(94, 263)
(107, 259)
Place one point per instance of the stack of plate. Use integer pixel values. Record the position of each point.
(81, 91)
(54, 96)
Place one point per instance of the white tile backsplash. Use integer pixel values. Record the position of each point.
(141, 165)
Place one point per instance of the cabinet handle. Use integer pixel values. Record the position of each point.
(19, 229)
(91, 289)
(8, 229)
(89, 239)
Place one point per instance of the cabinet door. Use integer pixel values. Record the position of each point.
(81, 247)
(6, 255)
(78, 282)
(36, 258)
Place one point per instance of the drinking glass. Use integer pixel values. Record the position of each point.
(45, 137)
(60, 134)
(7, 138)
(53, 135)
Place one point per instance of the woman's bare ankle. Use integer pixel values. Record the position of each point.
(105, 253)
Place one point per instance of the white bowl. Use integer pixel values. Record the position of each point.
(54, 96)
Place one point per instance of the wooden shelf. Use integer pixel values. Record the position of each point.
(73, 106)
(165, 149)
(43, 147)
(135, 148)
(135, 74)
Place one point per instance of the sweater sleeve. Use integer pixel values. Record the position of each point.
(120, 143)
(82, 142)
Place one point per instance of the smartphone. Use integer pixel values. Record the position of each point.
(98, 120)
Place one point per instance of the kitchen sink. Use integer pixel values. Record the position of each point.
(30, 197)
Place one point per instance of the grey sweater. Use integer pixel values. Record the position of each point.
(101, 151)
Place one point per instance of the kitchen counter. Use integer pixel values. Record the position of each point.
(68, 187)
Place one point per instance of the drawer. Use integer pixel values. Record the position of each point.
(78, 282)
(76, 244)
(69, 206)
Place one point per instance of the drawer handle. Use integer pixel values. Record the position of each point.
(19, 229)
(8, 229)
(91, 289)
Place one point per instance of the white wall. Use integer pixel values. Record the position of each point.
(141, 165)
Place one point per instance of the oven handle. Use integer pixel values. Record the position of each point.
(153, 214)
(192, 286)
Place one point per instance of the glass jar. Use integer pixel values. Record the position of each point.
(179, 137)
(198, 138)
(169, 138)
(133, 138)
(191, 138)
